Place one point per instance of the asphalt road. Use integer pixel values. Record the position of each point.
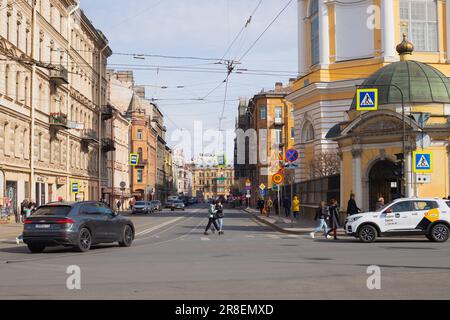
(172, 259)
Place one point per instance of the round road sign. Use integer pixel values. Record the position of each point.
(291, 155)
(277, 178)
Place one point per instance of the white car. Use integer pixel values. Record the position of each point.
(405, 216)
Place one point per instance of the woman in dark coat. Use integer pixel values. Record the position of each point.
(334, 218)
(352, 208)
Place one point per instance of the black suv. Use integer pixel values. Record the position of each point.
(76, 224)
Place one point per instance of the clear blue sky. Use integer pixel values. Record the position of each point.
(201, 28)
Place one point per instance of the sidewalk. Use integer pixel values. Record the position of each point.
(9, 232)
(284, 225)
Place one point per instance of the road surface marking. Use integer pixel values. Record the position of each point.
(159, 226)
(248, 236)
(205, 239)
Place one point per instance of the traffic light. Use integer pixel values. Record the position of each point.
(398, 165)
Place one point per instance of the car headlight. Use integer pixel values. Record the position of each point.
(353, 219)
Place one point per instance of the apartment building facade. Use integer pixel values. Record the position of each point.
(52, 91)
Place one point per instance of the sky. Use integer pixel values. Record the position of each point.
(198, 28)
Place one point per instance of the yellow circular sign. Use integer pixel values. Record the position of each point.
(277, 178)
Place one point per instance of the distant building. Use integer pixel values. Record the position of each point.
(212, 181)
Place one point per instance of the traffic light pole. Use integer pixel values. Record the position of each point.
(404, 173)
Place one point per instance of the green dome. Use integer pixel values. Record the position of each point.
(419, 82)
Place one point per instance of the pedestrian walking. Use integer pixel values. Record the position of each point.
(212, 216)
(261, 205)
(334, 218)
(269, 205)
(276, 206)
(352, 208)
(118, 205)
(220, 215)
(322, 215)
(23, 205)
(296, 207)
(287, 207)
(379, 204)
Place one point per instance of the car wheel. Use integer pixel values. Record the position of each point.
(84, 240)
(127, 237)
(36, 248)
(439, 233)
(367, 234)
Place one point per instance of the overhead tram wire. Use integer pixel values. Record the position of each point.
(267, 28)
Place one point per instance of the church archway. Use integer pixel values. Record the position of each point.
(382, 182)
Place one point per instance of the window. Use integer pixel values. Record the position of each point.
(139, 176)
(418, 19)
(401, 206)
(292, 113)
(263, 112)
(139, 134)
(424, 205)
(7, 80)
(279, 136)
(314, 31)
(292, 133)
(278, 112)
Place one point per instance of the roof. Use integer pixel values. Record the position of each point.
(419, 82)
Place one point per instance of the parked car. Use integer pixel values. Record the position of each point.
(178, 204)
(168, 204)
(76, 224)
(405, 216)
(157, 204)
(145, 207)
(192, 201)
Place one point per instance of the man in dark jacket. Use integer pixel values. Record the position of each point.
(287, 207)
(352, 208)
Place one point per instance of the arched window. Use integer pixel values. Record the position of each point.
(307, 133)
(314, 31)
(419, 20)
(17, 86)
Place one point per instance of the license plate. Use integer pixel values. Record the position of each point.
(42, 226)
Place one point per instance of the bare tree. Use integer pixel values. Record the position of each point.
(324, 164)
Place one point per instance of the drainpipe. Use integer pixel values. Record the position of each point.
(32, 115)
(100, 78)
(69, 87)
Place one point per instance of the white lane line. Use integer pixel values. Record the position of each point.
(205, 239)
(159, 226)
(249, 236)
(272, 236)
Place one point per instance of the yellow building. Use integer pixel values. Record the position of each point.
(342, 44)
(271, 117)
(211, 181)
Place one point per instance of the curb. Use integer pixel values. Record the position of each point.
(274, 226)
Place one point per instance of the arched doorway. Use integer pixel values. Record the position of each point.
(382, 182)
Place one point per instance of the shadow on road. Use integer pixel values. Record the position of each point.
(22, 249)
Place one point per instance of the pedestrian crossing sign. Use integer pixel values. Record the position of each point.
(422, 162)
(367, 99)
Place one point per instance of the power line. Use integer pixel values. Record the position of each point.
(267, 28)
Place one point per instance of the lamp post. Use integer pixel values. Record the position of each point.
(403, 179)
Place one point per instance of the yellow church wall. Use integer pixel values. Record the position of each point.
(347, 176)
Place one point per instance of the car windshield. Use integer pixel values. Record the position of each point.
(140, 203)
(52, 211)
(178, 201)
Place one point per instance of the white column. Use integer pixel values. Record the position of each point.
(357, 179)
(302, 37)
(388, 30)
(324, 34)
(409, 175)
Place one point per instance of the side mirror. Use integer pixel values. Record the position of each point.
(115, 214)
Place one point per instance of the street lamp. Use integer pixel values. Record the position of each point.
(403, 177)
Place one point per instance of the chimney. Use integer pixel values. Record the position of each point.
(140, 91)
(278, 86)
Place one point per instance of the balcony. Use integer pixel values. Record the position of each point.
(88, 135)
(107, 112)
(58, 120)
(142, 162)
(108, 145)
(59, 76)
(278, 122)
